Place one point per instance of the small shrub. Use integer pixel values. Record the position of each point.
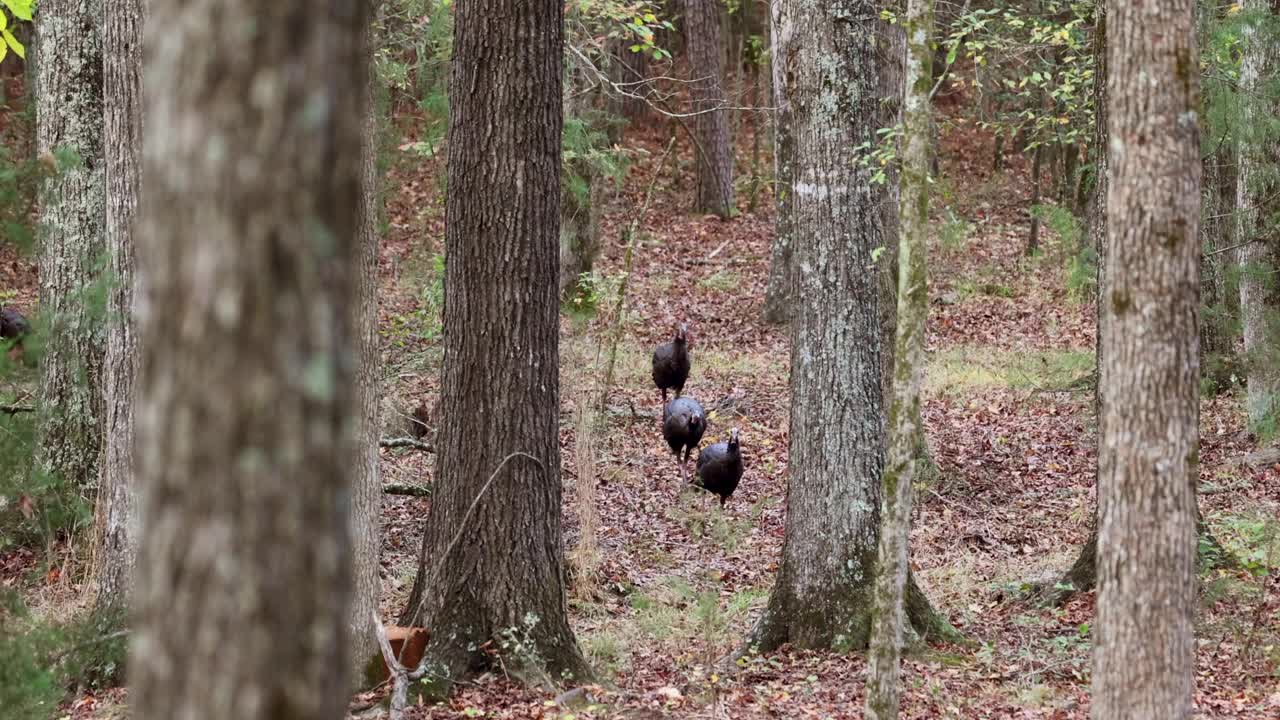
(954, 232)
(40, 663)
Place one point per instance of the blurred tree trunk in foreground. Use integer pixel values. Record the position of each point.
(1148, 449)
(245, 423)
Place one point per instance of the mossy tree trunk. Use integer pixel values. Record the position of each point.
(1256, 190)
(901, 470)
(69, 125)
(822, 594)
(712, 145)
(245, 426)
(503, 580)
(1148, 449)
(115, 533)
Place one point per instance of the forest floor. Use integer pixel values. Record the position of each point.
(678, 583)
(674, 583)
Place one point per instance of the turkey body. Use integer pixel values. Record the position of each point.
(671, 363)
(13, 325)
(720, 467)
(683, 424)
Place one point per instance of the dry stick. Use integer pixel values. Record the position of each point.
(14, 409)
(405, 442)
(633, 232)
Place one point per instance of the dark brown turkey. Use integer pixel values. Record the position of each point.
(13, 325)
(683, 423)
(671, 363)
(720, 467)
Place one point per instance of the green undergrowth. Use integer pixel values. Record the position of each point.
(691, 619)
(969, 368)
(42, 662)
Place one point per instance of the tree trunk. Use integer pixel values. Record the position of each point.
(245, 424)
(502, 580)
(1256, 189)
(1083, 574)
(580, 207)
(1217, 236)
(706, 91)
(1148, 449)
(777, 299)
(822, 594)
(1033, 239)
(69, 118)
(116, 535)
(905, 428)
(366, 481)
(628, 70)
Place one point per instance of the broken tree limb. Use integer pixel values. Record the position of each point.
(405, 442)
(406, 489)
(1266, 456)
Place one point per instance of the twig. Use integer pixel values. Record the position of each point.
(15, 409)
(88, 643)
(1231, 247)
(405, 442)
(659, 106)
(717, 250)
(947, 68)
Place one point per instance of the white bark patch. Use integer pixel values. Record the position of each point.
(819, 192)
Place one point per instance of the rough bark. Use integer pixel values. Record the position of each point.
(245, 426)
(69, 119)
(1256, 190)
(905, 429)
(504, 580)
(115, 521)
(822, 595)
(1148, 450)
(706, 91)
(366, 481)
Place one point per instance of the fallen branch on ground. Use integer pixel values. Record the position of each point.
(405, 442)
(1267, 456)
(406, 489)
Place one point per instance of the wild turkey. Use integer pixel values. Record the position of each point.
(13, 325)
(421, 421)
(720, 467)
(683, 423)
(671, 363)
